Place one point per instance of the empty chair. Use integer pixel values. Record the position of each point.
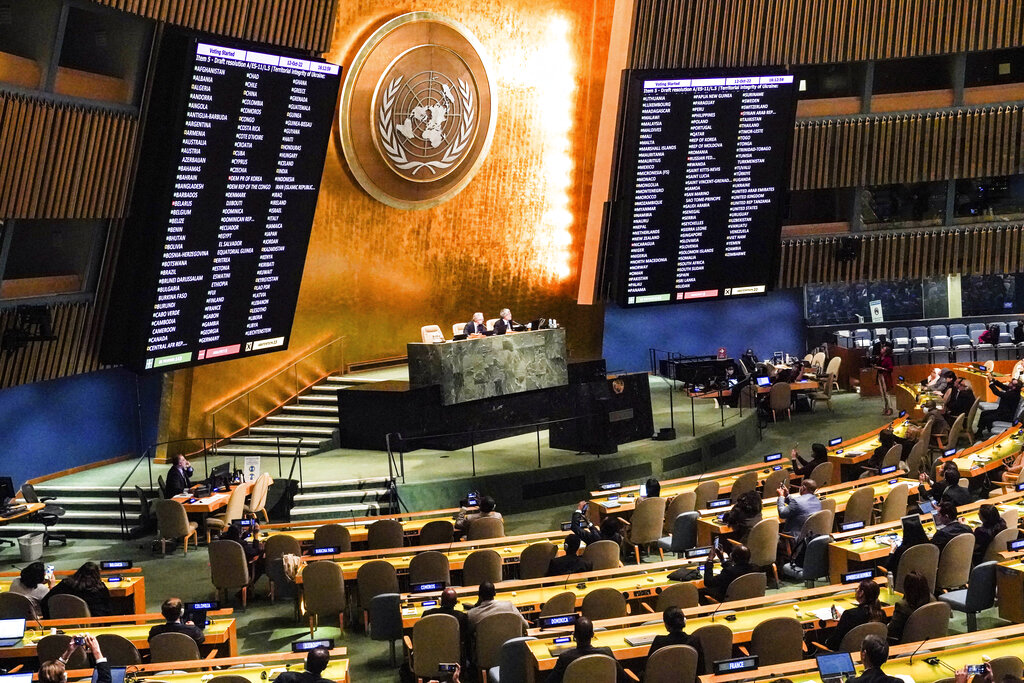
(763, 543)
(435, 639)
(706, 491)
(975, 328)
(940, 349)
(895, 504)
(602, 555)
(385, 620)
(436, 532)
(279, 545)
(172, 523)
(591, 668)
(458, 328)
(772, 482)
(748, 586)
(333, 536)
(979, 595)
(485, 527)
(984, 352)
(900, 336)
(560, 603)
(860, 505)
(374, 578)
(918, 331)
(815, 564)
(777, 640)
(428, 567)
(480, 566)
(49, 515)
(229, 569)
(819, 360)
(927, 621)
(535, 558)
(646, 523)
(963, 349)
(684, 502)
(822, 474)
(491, 633)
(681, 595)
(258, 496)
(824, 393)
(603, 603)
(936, 331)
(672, 664)
(834, 364)
(323, 585)
(118, 650)
(780, 399)
(234, 510)
(923, 558)
(16, 606)
(716, 643)
(955, 563)
(514, 662)
(66, 606)
(172, 647)
(1000, 544)
(431, 334)
(52, 647)
(744, 483)
(818, 524)
(385, 533)
(684, 534)
(920, 355)
(854, 638)
(957, 328)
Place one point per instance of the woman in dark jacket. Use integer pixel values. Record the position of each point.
(913, 534)
(744, 515)
(915, 594)
(86, 584)
(868, 609)
(991, 524)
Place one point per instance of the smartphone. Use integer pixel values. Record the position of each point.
(976, 669)
(447, 666)
(79, 641)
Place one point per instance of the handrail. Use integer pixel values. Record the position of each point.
(247, 395)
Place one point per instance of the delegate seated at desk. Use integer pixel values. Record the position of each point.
(506, 324)
(178, 477)
(173, 611)
(476, 325)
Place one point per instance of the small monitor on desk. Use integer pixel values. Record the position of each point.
(764, 381)
(307, 645)
(6, 491)
(219, 475)
(773, 457)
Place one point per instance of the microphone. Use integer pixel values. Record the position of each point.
(716, 610)
(918, 649)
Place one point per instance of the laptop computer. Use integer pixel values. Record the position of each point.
(11, 631)
(16, 678)
(835, 668)
(764, 381)
(116, 674)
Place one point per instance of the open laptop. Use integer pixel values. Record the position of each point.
(11, 631)
(764, 381)
(835, 668)
(116, 674)
(16, 678)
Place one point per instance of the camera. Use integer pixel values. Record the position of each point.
(79, 641)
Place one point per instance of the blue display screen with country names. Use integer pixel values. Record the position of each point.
(703, 169)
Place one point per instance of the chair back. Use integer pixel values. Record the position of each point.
(684, 502)
(228, 566)
(773, 481)
(681, 595)
(834, 363)
(258, 499)
(280, 545)
(374, 578)
(860, 505)
(744, 483)
(819, 360)
(780, 396)
(752, 585)
(981, 588)
(560, 603)
(431, 334)
(486, 527)
(829, 504)
(162, 487)
(602, 555)
(118, 650)
(236, 504)
(923, 558)
(926, 432)
(429, 566)
(1000, 543)
(927, 621)
(491, 633)
(333, 536)
(515, 663)
(647, 521)
(684, 532)
(854, 638)
(458, 328)
(716, 644)
(1007, 665)
(171, 520)
(955, 430)
(892, 456)
(916, 462)
(480, 566)
(173, 647)
(672, 664)
(144, 511)
(591, 668)
(66, 606)
(535, 558)
(818, 524)
(895, 504)
(16, 606)
(323, 586)
(603, 603)
(971, 415)
(52, 647)
(437, 532)
(385, 617)
(28, 492)
(816, 559)
(384, 534)
(822, 474)
(435, 639)
(777, 640)
(1012, 516)
(763, 542)
(706, 491)
(955, 562)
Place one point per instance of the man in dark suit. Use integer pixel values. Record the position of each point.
(179, 476)
(173, 611)
(449, 602)
(675, 622)
(1006, 409)
(959, 400)
(874, 652)
(504, 322)
(316, 661)
(476, 325)
(948, 524)
(582, 633)
(54, 670)
(737, 566)
(571, 562)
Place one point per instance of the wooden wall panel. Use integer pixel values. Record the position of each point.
(907, 148)
(915, 254)
(299, 24)
(715, 33)
(63, 161)
(75, 350)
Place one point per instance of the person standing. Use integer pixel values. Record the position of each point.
(884, 367)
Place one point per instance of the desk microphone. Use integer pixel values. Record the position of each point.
(935, 661)
(918, 649)
(716, 610)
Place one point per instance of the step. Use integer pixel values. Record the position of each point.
(72, 491)
(311, 410)
(99, 516)
(301, 420)
(352, 381)
(320, 399)
(72, 531)
(131, 502)
(246, 449)
(336, 511)
(315, 498)
(326, 389)
(293, 430)
(290, 441)
(342, 484)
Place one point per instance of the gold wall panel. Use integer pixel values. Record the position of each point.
(513, 237)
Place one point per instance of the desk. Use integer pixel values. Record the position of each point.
(741, 627)
(130, 591)
(847, 455)
(412, 522)
(473, 369)
(337, 669)
(205, 506)
(30, 509)
(709, 525)
(1010, 587)
(992, 454)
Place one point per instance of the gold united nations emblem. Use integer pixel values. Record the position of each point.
(417, 111)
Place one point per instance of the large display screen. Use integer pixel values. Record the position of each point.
(703, 163)
(227, 186)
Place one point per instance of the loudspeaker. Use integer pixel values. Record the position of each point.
(665, 434)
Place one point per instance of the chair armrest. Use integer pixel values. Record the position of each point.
(713, 601)
(743, 649)
(623, 521)
(15, 669)
(650, 610)
(632, 676)
(212, 654)
(408, 643)
(819, 646)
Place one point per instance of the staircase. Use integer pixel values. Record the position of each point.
(90, 511)
(340, 499)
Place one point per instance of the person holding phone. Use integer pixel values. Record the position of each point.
(737, 565)
(34, 583)
(55, 670)
(448, 672)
